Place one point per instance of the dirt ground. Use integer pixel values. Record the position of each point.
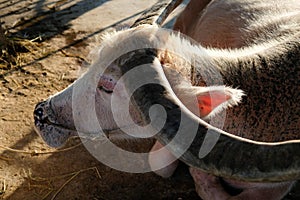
(57, 38)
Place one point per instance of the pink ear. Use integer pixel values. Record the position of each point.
(208, 101)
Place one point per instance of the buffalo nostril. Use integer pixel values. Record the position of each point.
(38, 112)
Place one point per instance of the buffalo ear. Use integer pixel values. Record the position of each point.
(210, 100)
(160, 156)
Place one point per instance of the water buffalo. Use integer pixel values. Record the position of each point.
(246, 64)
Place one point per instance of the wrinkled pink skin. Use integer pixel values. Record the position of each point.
(204, 27)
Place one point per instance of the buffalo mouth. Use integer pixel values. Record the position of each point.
(54, 134)
(57, 134)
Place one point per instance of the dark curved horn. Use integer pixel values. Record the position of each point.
(232, 156)
(158, 13)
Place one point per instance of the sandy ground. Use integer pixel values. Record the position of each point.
(60, 34)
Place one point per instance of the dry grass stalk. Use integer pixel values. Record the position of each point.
(46, 190)
(3, 187)
(15, 52)
(36, 153)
